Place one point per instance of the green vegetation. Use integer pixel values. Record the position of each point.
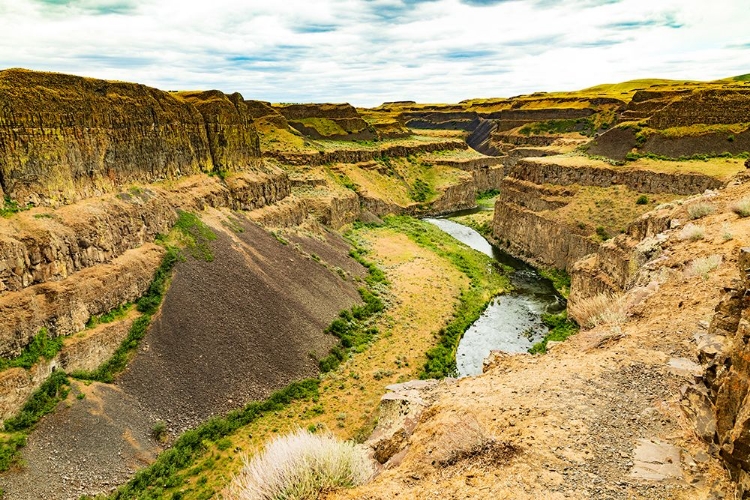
(353, 327)
(151, 481)
(113, 315)
(197, 235)
(560, 279)
(585, 126)
(148, 305)
(487, 278)
(642, 200)
(11, 207)
(741, 207)
(421, 191)
(602, 233)
(42, 401)
(41, 346)
(488, 195)
(560, 328)
(632, 156)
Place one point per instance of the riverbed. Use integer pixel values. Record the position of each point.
(512, 322)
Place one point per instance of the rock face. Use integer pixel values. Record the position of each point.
(65, 138)
(730, 372)
(328, 121)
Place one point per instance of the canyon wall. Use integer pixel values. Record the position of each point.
(64, 138)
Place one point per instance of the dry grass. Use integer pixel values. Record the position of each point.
(699, 210)
(691, 232)
(741, 207)
(299, 466)
(703, 266)
(603, 309)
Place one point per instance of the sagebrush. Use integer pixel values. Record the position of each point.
(299, 466)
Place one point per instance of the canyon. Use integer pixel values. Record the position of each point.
(257, 225)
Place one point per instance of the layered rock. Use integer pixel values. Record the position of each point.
(328, 121)
(65, 137)
(728, 376)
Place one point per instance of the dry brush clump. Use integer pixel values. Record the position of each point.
(741, 207)
(698, 210)
(703, 266)
(603, 309)
(691, 232)
(300, 466)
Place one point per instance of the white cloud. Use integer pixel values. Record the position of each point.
(368, 51)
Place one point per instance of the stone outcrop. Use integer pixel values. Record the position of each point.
(328, 121)
(232, 138)
(66, 137)
(709, 106)
(644, 181)
(728, 374)
(63, 307)
(362, 155)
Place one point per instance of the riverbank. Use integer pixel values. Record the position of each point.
(347, 400)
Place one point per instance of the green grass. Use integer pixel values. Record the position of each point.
(487, 279)
(421, 191)
(11, 207)
(109, 317)
(148, 483)
(41, 346)
(560, 279)
(148, 304)
(198, 235)
(560, 328)
(582, 125)
(42, 401)
(352, 328)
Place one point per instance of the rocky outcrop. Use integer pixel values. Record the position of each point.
(328, 121)
(480, 138)
(644, 181)
(66, 138)
(539, 239)
(363, 155)
(84, 352)
(709, 106)
(63, 307)
(232, 138)
(46, 246)
(730, 387)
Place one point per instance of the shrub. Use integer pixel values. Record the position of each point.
(602, 233)
(703, 266)
(606, 308)
(691, 232)
(698, 210)
(741, 207)
(642, 200)
(159, 431)
(300, 466)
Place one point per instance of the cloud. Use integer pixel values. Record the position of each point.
(369, 51)
(94, 7)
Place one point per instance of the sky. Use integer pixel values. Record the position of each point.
(370, 51)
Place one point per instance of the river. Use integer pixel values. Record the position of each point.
(512, 322)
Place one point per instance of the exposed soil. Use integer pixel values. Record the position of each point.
(87, 446)
(237, 328)
(229, 331)
(600, 415)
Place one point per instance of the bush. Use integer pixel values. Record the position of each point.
(642, 200)
(742, 207)
(698, 210)
(606, 308)
(301, 466)
(602, 233)
(691, 232)
(703, 266)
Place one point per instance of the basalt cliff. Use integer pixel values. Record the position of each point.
(176, 265)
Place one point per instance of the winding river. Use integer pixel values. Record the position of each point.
(512, 322)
